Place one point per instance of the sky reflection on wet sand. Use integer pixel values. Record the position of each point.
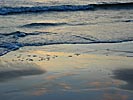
(77, 77)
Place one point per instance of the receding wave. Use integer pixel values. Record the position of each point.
(14, 10)
(43, 24)
(13, 41)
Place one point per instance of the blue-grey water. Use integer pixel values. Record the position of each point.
(52, 22)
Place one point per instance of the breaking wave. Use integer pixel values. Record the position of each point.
(19, 10)
(13, 41)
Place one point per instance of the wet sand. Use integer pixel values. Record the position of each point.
(42, 73)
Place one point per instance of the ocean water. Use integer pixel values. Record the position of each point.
(48, 22)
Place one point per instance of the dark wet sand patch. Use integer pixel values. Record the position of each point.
(125, 75)
(11, 70)
(18, 73)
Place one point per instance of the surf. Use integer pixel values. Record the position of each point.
(62, 8)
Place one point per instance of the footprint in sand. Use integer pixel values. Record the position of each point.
(70, 56)
(77, 54)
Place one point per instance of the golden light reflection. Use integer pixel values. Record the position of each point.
(55, 76)
(98, 84)
(42, 91)
(116, 96)
(39, 92)
(65, 86)
(40, 52)
(60, 61)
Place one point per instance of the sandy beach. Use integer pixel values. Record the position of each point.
(47, 72)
